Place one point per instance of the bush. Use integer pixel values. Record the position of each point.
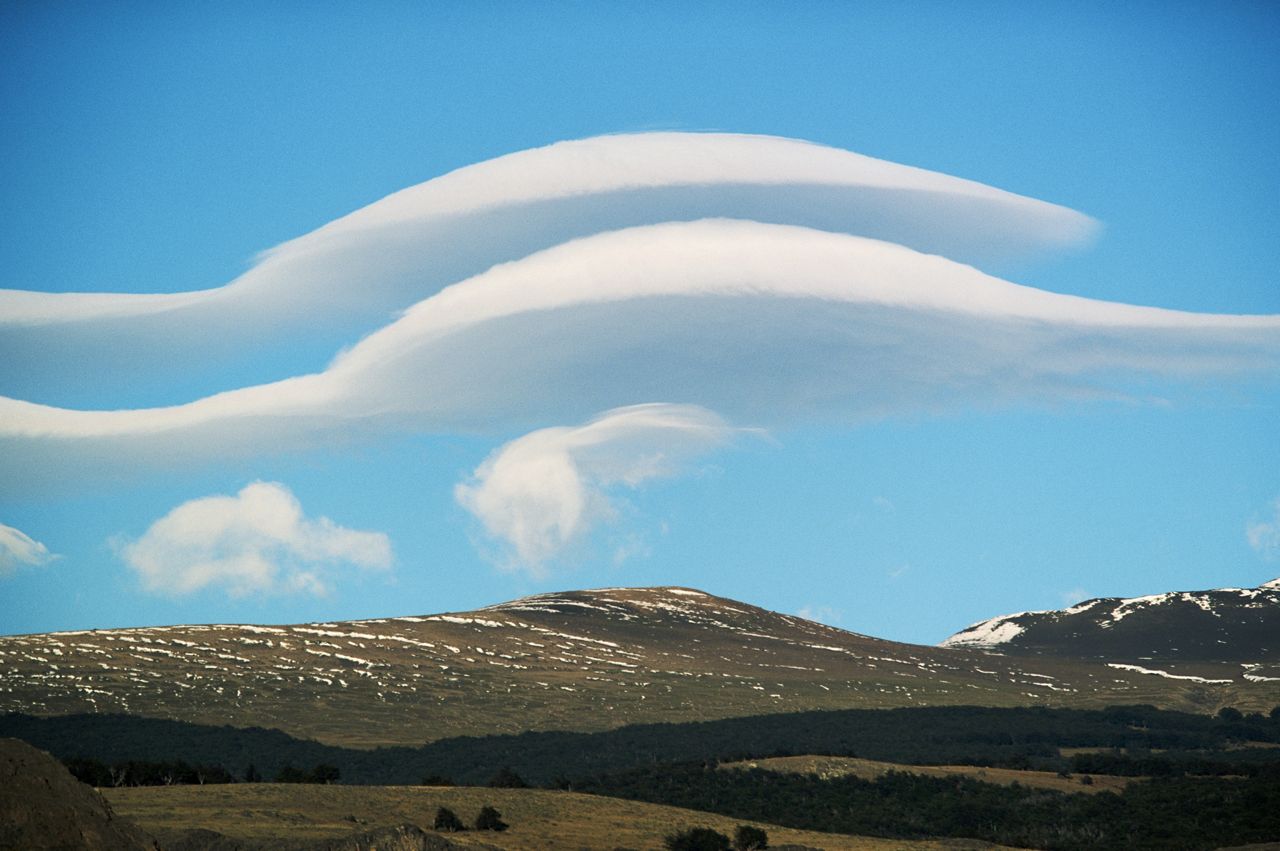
(507, 779)
(447, 820)
(324, 773)
(490, 819)
(290, 774)
(436, 780)
(748, 838)
(698, 839)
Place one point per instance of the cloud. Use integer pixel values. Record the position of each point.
(544, 492)
(884, 504)
(303, 300)
(256, 541)
(1075, 595)
(17, 550)
(1264, 535)
(820, 614)
(767, 324)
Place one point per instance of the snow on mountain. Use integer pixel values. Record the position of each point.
(578, 660)
(1226, 624)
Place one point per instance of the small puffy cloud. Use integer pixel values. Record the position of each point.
(820, 614)
(17, 549)
(542, 493)
(1075, 595)
(1264, 535)
(256, 541)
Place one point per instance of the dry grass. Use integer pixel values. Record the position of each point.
(836, 766)
(539, 819)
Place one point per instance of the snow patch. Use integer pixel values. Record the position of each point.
(1000, 630)
(1138, 669)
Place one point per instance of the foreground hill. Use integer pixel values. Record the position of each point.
(43, 807)
(1239, 625)
(584, 660)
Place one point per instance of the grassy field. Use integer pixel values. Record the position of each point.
(539, 819)
(835, 766)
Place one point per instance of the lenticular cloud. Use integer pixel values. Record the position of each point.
(819, 290)
(304, 300)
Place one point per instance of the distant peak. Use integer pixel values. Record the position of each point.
(1274, 584)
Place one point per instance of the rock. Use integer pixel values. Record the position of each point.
(42, 807)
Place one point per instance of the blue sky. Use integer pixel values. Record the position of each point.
(159, 148)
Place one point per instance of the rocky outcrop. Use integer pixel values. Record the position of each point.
(42, 807)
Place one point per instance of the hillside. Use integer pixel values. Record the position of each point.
(1236, 625)
(540, 820)
(43, 807)
(583, 660)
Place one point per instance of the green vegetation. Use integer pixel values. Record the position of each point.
(748, 838)
(490, 819)
(1021, 738)
(1215, 779)
(448, 821)
(136, 773)
(1185, 813)
(697, 839)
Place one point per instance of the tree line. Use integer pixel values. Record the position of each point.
(1176, 813)
(994, 737)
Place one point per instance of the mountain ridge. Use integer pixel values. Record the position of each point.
(571, 660)
(1224, 624)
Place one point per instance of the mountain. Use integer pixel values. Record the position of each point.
(1237, 625)
(580, 660)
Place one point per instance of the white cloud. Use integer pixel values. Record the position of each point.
(305, 299)
(820, 614)
(1264, 535)
(256, 541)
(763, 323)
(1075, 595)
(543, 493)
(17, 550)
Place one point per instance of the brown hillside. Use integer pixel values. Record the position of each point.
(43, 807)
(582, 660)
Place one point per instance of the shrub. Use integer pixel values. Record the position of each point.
(490, 819)
(290, 774)
(447, 820)
(698, 839)
(325, 773)
(507, 779)
(748, 838)
(436, 780)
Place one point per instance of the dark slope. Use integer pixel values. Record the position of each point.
(1238, 625)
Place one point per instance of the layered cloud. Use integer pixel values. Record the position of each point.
(17, 549)
(256, 541)
(765, 324)
(544, 492)
(771, 281)
(303, 300)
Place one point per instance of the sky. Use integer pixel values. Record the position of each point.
(896, 316)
